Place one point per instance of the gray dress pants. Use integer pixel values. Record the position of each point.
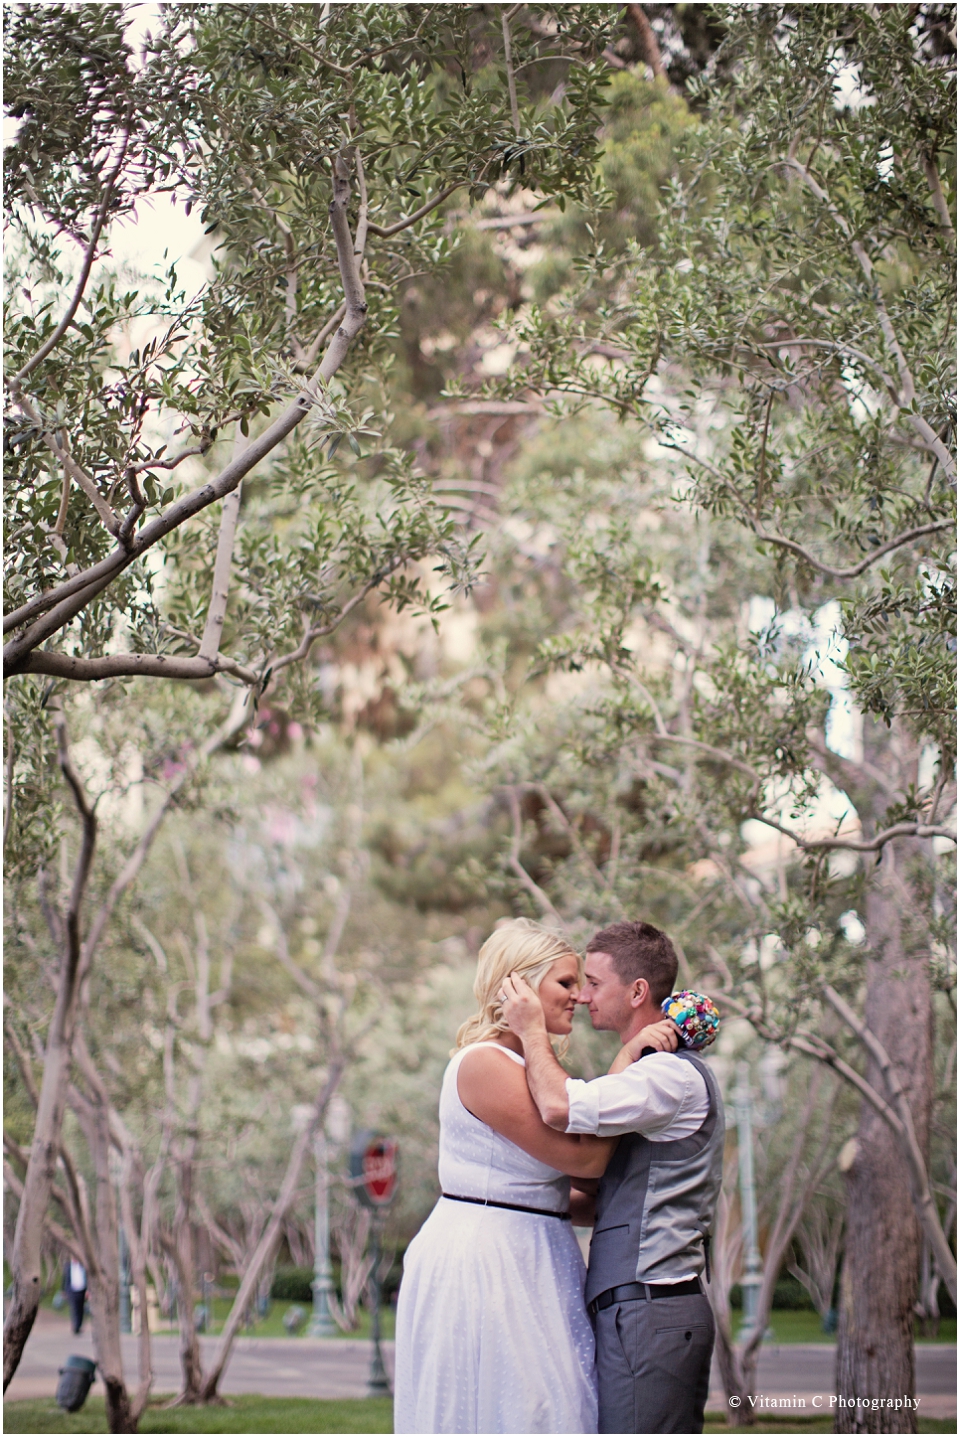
(653, 1364)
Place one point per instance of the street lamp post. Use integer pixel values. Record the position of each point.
(126, 1316)
(377, 1385)
(322, 1323)
(374, 1170)
(750, 1282)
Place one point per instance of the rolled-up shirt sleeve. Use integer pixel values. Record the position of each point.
(662, 1097)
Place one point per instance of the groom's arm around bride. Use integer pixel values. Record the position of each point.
(656, 1201)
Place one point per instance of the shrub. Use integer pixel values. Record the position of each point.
(292, 1284)
(788, 1295)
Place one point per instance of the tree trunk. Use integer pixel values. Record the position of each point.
(105, 1279)
(881, 1260)
(272, 1234)
(191, 1367)
(45, 1148)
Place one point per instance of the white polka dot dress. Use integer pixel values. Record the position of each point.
(492, 1332)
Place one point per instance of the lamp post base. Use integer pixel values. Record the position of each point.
(377, 1383)
(321, 1322)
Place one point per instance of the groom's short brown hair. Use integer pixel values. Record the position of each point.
(639, 950)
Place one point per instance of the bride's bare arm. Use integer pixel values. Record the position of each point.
(494, 1089)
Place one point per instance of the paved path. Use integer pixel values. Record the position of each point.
(273, 1366)
(338, 1367)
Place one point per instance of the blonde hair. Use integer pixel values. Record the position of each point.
(519, 946)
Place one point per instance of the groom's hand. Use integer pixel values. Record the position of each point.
(521, 1007)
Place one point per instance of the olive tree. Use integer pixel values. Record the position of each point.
(787, 350)
(320, 145)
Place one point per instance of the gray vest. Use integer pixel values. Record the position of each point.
(656, 1202)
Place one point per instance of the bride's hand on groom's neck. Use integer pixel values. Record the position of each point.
(663, 1036)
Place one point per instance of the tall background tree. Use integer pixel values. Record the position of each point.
(790, 343)
(296, 140)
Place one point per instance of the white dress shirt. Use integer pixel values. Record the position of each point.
(659, 1096)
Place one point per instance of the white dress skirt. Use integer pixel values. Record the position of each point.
(492, 1331)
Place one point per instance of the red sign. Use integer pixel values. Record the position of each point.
(377, 1170)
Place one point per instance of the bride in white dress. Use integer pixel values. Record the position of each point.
(492, 1331)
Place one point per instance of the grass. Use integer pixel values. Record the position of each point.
(301, 1414)
(272, 1324)
(787, 1326)
(803, 1326)
(239, 1414)
(801, 1425)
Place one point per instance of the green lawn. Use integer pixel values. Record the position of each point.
(300, 1414)
(800, 1425)
(787, 1326)
(801, 1326)
(272, 1324)
(239, 1414)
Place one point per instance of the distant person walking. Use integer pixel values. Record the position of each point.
(75, 1286)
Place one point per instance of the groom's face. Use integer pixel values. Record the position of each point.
(607, 998)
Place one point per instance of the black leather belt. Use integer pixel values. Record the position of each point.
(632, 1291)
(511, 1206)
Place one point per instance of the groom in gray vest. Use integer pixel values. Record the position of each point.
(656, 1201)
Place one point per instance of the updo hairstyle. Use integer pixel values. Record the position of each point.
(519, 946)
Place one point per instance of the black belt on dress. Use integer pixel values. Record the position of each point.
(512, 1206)
(631, 1291)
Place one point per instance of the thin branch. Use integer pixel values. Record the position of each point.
(320, 631)
(385, 231)
(873, 845)
(290, 251)
(939, 199)
(363, 212)
(282, 950)
(61, 329)
(230, 513)
(324, 334)
(648, 40)
(231, 1249)
(23, 1063)
(561, 818)
(170, 463)
(231, 725)
(8, 772)
(765, 537)
(907, 386)
(511, 78)
(815, 1047)
(289, 39)
(58, 1233)
(514, 860)
(708, 751)
(71, 468)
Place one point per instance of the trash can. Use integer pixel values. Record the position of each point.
(76, 1379)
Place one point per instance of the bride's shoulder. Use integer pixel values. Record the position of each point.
(489, 1057)
(495, 1050)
